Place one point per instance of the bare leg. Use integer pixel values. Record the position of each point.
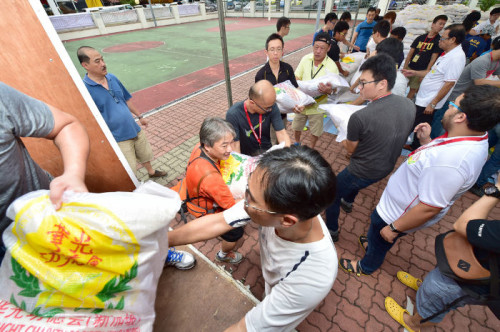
(227, 247)
(411, 93)
(148, 167)
(297, 136)
(314, 139)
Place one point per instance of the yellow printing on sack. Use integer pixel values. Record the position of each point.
(348, 59)
(229, 167)
(72, 259)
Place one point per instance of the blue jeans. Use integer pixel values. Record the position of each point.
(438, 291)
(437, 126)
(348, 186)
(493, 164)
(377, 246)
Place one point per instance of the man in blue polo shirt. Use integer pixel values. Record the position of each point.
(364, 30)
(114, 103)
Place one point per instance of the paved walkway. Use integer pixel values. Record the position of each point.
(354, 303)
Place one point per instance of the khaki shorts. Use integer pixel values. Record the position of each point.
(136, 150)
(414, 82)
(315, 123)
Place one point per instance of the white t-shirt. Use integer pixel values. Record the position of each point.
(371, 45)
(447, 68)
(298, 276)
(436, 175)
(399, 88)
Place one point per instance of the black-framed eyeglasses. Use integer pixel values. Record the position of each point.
(267, 110)
(247, 195)
(456, 106)
(112, 93)
(362, 84)
(445, 38)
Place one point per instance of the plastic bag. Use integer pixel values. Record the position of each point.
(311, 87)
(340, 115)
(95, 261)
(287, 96)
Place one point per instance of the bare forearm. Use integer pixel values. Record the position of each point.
(201, 229)
(132, 108)
(487, 82)
(415, 217)
(409, 57)
(443, 92)
(73, 142)
(479, 210)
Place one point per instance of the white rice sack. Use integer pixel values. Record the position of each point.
(352, 61)
(311, 87)
(347, 97)
(235, 171)
(340, 114)
(288, 96)
(97, 259)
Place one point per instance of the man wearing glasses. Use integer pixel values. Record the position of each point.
(284, 196)
(427, 184)
(114, 103)
(375, 135)
(252, 120)
(440, 79)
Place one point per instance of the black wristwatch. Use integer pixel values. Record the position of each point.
(492, 191)
(394, 229)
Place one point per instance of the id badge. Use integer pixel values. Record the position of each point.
(415, 58)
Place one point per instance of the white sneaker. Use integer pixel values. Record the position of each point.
(182, 260)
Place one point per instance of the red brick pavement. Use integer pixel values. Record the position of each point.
(354, 303)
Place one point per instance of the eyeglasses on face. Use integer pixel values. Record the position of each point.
(247, 195)
(362, 84)
(267, 110)
(112, 93)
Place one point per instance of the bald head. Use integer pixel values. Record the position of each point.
(81, 53)
(262, 94)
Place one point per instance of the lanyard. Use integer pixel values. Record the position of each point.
(460, 139)
(258, 138)
(381, 97)
(490, 72)
(317, 71)
(425, 41)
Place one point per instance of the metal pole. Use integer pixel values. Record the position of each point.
(225, 58)
(152, 12)
(269, 11)
(355, 21)
(318, 14)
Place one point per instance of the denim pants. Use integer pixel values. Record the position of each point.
(348, 186)
(493, 164)
(438, 291)
(377, 246)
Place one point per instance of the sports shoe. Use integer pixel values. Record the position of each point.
(334, 235)
(346, 206)
(182, 260)
(233, 257)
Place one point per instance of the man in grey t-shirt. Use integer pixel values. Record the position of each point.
(23, 116)
(476, 73)
(375, 135)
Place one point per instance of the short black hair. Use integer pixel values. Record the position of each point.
(330, 17)
(400, 32)
(440, 17)
(495, 11)
(495, 44)
(457, 31)
(282, 21)
(345, 16)
(371, 9)
(471, 19)
(392, 47)
(383, 27)
(340, 26)
(298, 181)
(382, 67)
(481, 104)
(274, 36)
(81, 53)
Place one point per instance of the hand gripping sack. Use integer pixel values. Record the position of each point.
(288, 96)
(93, 265)
(311, 87)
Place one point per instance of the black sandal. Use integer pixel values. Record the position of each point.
(349, 268)
(363, 242)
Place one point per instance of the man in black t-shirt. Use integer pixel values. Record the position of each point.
(339, 33)
(252, 119)
(424, 52)
(438, 292)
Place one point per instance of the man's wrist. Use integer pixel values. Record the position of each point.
(139, 117)
(394, 229)
(432, 105)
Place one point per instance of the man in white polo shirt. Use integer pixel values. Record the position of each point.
(439, 81)
(427, 184)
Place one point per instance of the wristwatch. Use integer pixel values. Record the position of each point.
(433, 105)
(394, 229)
(492, 191)
(139, 117)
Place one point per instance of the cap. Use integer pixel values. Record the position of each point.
(324, 37)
